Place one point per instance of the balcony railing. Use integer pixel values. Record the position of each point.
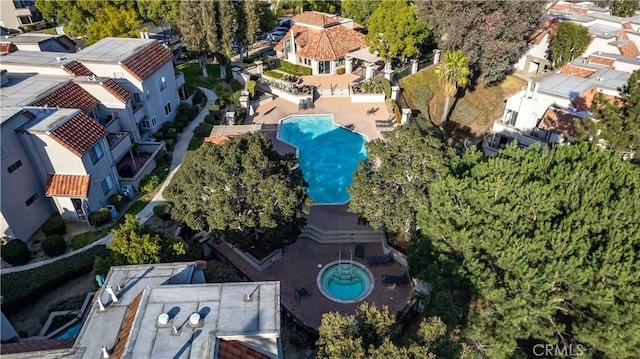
(138, 112)
(119, 144)
(179, 79)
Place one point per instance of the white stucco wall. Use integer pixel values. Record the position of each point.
(535, 50)
(43, 70)
(530, 110)
(598, 44)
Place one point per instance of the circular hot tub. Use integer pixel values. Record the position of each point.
(345, 281)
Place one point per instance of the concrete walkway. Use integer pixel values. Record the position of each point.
(179, 151)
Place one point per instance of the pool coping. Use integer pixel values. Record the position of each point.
(333, 122)
(359, 298)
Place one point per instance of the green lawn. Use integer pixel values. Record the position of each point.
(475, 110)
(193, 75)
(50, 31)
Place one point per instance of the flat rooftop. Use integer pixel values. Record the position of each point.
(32, 38)
(610, 79)
(618, 57)
(47, 119)
(224, 313)
(111, 50)
(24, 89)
(603, 31)
(37, 58)
(576, 17)
(564, 86)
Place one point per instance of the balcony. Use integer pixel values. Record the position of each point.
(179, 79)
(119, 144)
(138, 112)
(132, 169)
(111, 122)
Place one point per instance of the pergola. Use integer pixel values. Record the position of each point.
(365, 56)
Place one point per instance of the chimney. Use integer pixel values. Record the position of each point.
(114, 298)
(105, 353)
(528, 92)
(535, 90)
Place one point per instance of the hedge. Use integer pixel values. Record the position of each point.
(18, 288)
(274, 74)
(179, 126)
(54, 225)
(15, 252)
(163, 211)
(203, 130)
(171, 135)
(292, 69)
(251, 87)
(236, 85)
(53, 245)
(100, 217)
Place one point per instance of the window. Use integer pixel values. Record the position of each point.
(149, 124)
(106, 185)
(163, 83)
(167, 108)
(14, 166)
(96, 153)
(24, 20)
(138, 97)
(31, 199)
(510, 117)
(324, 67)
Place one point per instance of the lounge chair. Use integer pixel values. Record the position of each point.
(400, 280)
(380, 260)
(300, 292)
(359, 252)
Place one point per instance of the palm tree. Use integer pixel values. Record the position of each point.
(454, 71)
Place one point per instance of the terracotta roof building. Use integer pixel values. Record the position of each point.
(68, 185)
(79, 133)
(146, 61)
(320, 41)
(69, 95)
(560, 121)
(74, 68)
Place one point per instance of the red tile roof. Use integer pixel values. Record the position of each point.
(629, 49)
(558, 120)
(125, 327)
(6, 47)
(69, 95)
(622, 35)
(74, 68)
(231, 349)
(68, 185)
(569, 8)
(146, 61)
(576, 71)
(36, 346)
(601, 60)
(627, 26)
(537, 37)
(326, 44)
(316, 18)
(116, 90)
(79, 133)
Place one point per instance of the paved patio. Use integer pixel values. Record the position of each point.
(299, 267)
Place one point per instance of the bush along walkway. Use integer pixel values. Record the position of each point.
(179, 151)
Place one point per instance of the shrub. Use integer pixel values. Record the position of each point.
(292, 69)
(396, 111)
(162, 211)
(251, 87)
(15, 252)
(274, 74)
(169, 143)
(340, 71)
(171, 135)
(24, 286)
(158, 136)
(54, 225)
(179, 126)
(386, 85)
(212, 119)
(198, 97)
(149, 183)
(203, 130)
(100, 217)
(166, 126)
(53, 245)
(116, 200)
(214, 108)
(236, 85)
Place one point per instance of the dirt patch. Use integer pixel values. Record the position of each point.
(167, 227)
(27, 318)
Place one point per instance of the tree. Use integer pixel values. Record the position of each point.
(454, 72)
(138, 244)
(243, 191)
(570, 41)
(194, 32)
(548, 240)
(93, 19)
(374, 333)
(250, 28)
(493, 34)
(395, 31)
(165, 13)
(616, 124)
(227, 26)
(624, 8)
(359, 10)
(394, 180)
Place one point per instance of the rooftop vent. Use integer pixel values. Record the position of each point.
(163, 319)
(114, 298)
(105, 352)
(195, 320)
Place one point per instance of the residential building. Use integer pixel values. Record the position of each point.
(546, 111)
(41, 42)
(320, 41)
(168, 311)
(19, 14)
(72, 125)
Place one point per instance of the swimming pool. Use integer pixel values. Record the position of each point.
(345, 281)
(328, 155)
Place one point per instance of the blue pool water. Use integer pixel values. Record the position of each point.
(346, 282)
(328, 155)
(71, 332)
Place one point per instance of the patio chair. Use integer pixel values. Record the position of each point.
(399, 280)
(300, 292)
(359, 252)
(380, 260)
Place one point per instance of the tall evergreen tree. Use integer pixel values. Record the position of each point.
(492, 33)
(359, 10)
(195, 32)
(624, 8)
(243, 191)
(548, 239)
(227, 22)
(394, 180)
(570, 41)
